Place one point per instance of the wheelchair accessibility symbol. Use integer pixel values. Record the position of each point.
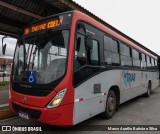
(31, 77)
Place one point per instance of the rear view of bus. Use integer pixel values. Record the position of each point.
(40, 83)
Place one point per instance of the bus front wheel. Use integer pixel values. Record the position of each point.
(111, 104)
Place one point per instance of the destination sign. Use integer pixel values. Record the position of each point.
(43, 25)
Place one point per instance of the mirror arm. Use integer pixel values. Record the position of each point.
(3, 44)
(81, 25)
(3, 40)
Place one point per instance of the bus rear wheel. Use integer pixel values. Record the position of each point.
(111, 104)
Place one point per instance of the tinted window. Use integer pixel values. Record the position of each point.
(111, 58)
(124, 50)
(95, 53)
(107, 43)
(126, 61)
(136, 63)
(111, 51)
(80, 52)
(135, 54)
(125, 55)
(143, 57)
(155, 62)
(148, 61)
(143, 62)
(115, 46)
(110, 44)
(136, 58)
(152, 61)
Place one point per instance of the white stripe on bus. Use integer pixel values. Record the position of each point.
(82, 99)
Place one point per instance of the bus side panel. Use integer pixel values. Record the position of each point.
(131, 83)
(134, 87)
(145, 81)
(156, 79)
(87, 103)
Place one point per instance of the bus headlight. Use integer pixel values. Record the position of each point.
(57, 99)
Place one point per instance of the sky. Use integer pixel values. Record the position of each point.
(139, 19)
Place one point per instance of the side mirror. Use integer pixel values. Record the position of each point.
(81, 25)
(89, 42)
(4, 49)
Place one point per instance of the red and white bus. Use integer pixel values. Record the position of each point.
(69, 67)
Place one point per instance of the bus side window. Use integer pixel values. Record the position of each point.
(148, 61)
(155, 62)
(95, 53)
(136, 58)
(111, 54)
(152, 61)
(144, 63)
(125, 52)
(80, 52)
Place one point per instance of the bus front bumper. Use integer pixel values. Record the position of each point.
(59, 116)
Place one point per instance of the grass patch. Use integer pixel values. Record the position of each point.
(4, 83)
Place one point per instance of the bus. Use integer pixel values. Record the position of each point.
(69, 67)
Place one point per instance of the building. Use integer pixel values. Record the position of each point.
(6, 63)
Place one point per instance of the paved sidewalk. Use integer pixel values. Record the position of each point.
(4, 94)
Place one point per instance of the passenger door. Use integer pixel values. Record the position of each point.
(86, 80)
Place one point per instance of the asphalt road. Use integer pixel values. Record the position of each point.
(139, 111)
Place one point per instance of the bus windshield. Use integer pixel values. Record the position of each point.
(40, 58)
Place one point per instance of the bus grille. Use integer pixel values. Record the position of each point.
(35, 114)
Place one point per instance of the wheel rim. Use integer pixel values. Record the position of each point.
(111, 104)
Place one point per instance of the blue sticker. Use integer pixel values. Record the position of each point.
(31, 77)
(129, 77)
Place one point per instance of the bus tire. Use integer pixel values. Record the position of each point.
(111, 105)
(148, 90)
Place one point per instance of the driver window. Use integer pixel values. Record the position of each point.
(80, 52)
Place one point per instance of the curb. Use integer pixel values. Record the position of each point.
(6, 113)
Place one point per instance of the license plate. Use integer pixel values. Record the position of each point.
(23, 115)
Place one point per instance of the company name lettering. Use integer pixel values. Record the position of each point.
(129, 77)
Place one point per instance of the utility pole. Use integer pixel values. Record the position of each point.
(4, 51)
(4, 69)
